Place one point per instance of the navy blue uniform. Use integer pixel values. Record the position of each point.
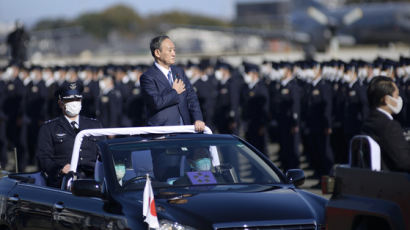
(136, 109)
(3, 120)
(36, 111)
(227, 106)
(274, 98)
(337, 139)
(110, 109)
(318, 122)
(53, 110)
(288, 117)
(404, 91)
(255, 114)
(16, 126)
(207, 94)
(354, 113)
(55, 146)
(90, 99)
(125, 89)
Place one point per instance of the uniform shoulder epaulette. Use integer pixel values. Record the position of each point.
(52, 120)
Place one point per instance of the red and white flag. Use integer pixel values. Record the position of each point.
(148, 209)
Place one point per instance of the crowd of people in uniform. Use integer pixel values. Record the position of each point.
(307, 107)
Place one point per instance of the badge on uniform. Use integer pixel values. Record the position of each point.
(34, 89)
(251, 94)
(224, 91)
(104, 99)
(86, 89)
(316, 92)
(73, 86)
(277, 86)
(136, 91)
(336, 87)
(11, 87)
(352, 93)
(284, 91)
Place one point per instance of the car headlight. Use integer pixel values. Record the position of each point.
(169, 225)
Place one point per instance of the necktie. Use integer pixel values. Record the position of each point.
(169, 76)
(75, 126)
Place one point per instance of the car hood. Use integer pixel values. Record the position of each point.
(261, 205)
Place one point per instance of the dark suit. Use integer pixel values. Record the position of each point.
(55, 146)
(395, 151)
(164, 105)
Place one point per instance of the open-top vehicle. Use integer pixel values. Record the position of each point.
(200, 181)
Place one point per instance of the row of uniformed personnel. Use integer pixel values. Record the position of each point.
(320, 105)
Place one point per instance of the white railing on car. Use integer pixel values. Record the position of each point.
(127, 131)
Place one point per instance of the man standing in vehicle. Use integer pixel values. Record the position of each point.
(169, 96)
(56, 138)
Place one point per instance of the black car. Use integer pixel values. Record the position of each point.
(200, 181)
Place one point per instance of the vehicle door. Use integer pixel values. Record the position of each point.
(30, 206)
(74, 212)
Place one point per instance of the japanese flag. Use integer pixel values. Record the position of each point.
(148, 209)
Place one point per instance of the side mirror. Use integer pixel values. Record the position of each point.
(86, 188)
(295, 176)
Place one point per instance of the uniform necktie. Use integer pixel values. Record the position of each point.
(75, 126)
(169, 76)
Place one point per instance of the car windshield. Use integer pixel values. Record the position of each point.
(186, 162)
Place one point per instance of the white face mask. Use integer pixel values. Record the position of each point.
(247, 78)
(362, 73)
(310, 74)
(189, 73)
(376, 72)
(73, 108)
(120, 171)
(399, 104)
(347, 78)
(218, 75)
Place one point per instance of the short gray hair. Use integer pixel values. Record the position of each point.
(156, 43)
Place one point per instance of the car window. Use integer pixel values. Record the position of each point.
(182, 162)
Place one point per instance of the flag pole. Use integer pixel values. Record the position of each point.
(147, 175)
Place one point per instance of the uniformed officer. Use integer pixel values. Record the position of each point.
(124, 86)
(110, 104)
(36, 110)
(91, 92)
(255, 97)
(318, 123)
(135, 103)
(227, 106)
(288, 119)
(13, 107)
(206, 91)
(354, 109)
(56, 138)
(3, 120)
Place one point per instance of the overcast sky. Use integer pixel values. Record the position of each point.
(30, 11)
